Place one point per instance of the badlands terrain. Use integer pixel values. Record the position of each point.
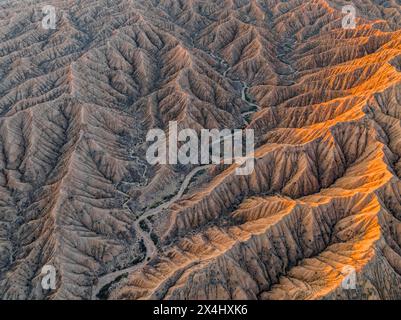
(77, 193)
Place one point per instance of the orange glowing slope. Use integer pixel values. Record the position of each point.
(76, 191)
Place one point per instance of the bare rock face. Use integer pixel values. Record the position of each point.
(77, 193)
